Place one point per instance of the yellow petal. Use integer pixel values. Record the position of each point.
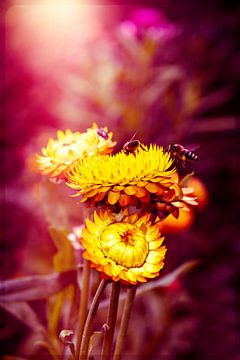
(151, 268)
(87, 236)
(153, 187)
(130, 190)
(118, 188)
(92, 227)
(97, 219)
(124, 276)
(92, 193)
(113, 197)
(104, 188)
(140, 192)
(111, 270)
(141, 279)
(131, 275)
(154, 257)
(60, 135)
(141, 183)
(68, 132)
(153, 245)
(142, 220)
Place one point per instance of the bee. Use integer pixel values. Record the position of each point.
(132, 146)
(180, 154)
(101, 132)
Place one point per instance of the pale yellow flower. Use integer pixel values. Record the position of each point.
(60, 153)
(129, 250)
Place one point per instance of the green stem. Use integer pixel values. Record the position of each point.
(88, 325)
(124, 323)
(83, 305)
(111, 321)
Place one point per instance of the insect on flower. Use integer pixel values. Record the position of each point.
(180, 154)
(132, 146)
(101, 132)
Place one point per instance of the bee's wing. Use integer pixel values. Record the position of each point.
(193, 147)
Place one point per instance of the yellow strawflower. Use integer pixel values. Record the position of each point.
(141, 179)
(129, 250)
(60, 153)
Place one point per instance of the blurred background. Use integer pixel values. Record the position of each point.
(168, 70)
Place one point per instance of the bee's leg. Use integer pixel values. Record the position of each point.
(143, 147)
(183, 159)
(183, 163)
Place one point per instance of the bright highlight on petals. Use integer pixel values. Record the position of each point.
(60, 153)
(129, 250)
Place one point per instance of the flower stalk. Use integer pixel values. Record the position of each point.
(83, 305)
(124, 323)
(88, 325)
(111, 321)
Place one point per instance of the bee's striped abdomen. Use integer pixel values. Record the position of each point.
(191, 156)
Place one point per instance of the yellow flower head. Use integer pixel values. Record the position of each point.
(60, 153)
(129, 250)
(144, 178)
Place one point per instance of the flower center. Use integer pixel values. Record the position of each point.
(67, 150)
(125, 244)
(68, 142)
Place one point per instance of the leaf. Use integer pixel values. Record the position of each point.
(36, 286)
(58, 309)
(46, 344)
(184, 182)
(161, 282)
(54, 313)
(65, 257)
(63, 260)
(168, 279)
(96, 337)
(24, 313)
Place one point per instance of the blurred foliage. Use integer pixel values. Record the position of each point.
(179, 88)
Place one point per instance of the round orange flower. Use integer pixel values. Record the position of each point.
(171, 225)
(60, 153)
(129, 250)
(200, 191)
